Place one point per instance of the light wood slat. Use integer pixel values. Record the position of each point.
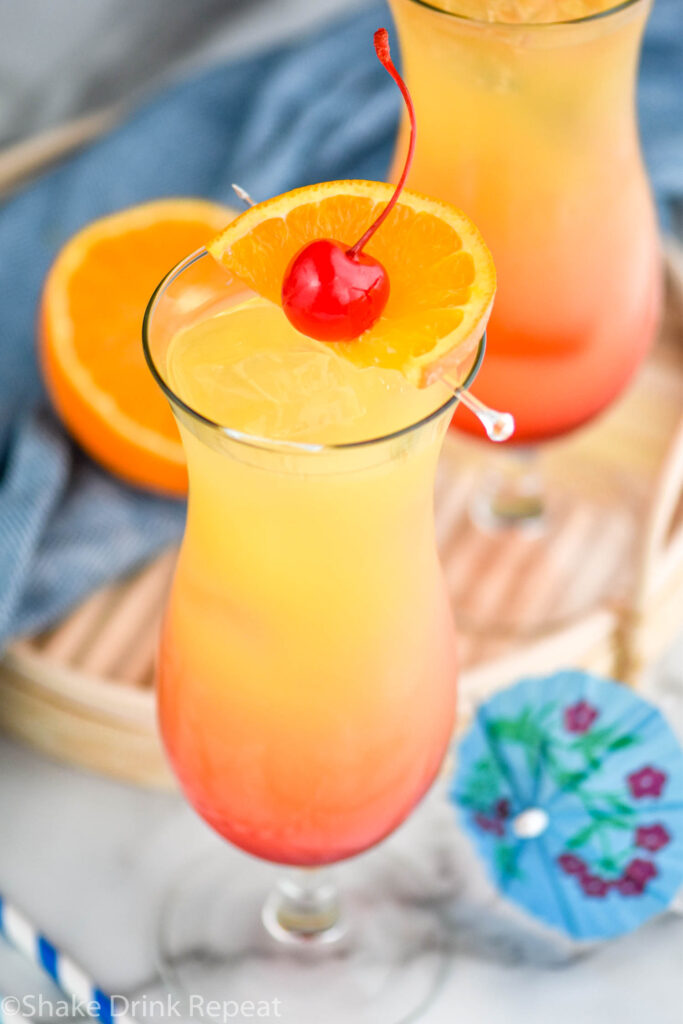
(613, 550)
(463, 555)
(137, 665)
(467, 651)
(91, 696)
(65, 731)
(71, 636)
(544, 582)
(588, 643)
(121, 629)
(493, 596)
(451, 501)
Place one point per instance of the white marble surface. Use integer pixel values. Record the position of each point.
(89, 861)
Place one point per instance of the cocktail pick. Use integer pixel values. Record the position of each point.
(499, 426)
(69, 977)
(571, 787)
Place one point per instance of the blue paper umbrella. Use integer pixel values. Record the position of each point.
(572, 788)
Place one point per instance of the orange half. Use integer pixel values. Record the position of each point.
(92, 307)
(441, 274)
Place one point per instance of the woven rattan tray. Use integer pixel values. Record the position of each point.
(83, 691)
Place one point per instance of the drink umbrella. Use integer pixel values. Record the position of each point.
(571, 787)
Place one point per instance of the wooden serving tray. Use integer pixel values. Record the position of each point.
(83, 692)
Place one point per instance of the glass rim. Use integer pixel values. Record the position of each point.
(273, 444)
(614, 9)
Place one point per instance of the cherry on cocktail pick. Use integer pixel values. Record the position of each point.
(332, 292)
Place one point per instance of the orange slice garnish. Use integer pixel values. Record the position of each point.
(90, 336)
(441, 274)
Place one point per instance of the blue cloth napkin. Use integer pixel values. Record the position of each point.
(317, 110)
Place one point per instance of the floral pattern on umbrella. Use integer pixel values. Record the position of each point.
(572, 788)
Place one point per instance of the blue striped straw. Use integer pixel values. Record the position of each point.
(70, 978)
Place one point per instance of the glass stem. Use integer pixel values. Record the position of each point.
(304, 909)
(511, 495)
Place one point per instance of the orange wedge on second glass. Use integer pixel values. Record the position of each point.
(441, 274)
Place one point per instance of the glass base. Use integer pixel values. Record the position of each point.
(495, 506)
(511, 496)
(377, 954)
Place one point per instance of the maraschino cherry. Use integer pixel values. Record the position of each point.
(332, 292)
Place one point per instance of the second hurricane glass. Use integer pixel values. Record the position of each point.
(529, 125)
